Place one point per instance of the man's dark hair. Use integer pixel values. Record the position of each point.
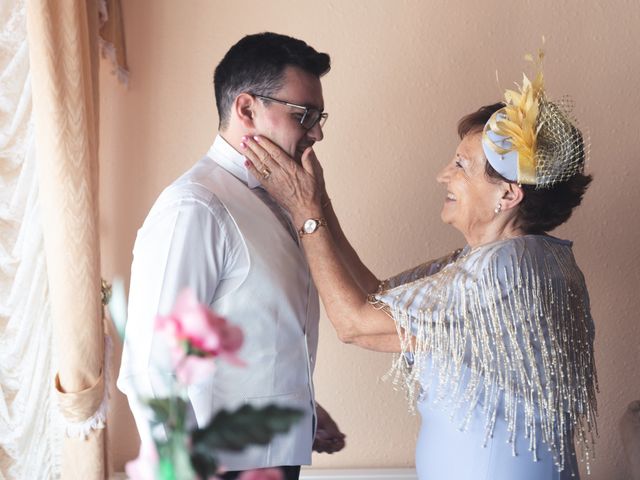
(257, 63)
(542, 209)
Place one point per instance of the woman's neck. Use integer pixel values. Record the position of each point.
(500, 230)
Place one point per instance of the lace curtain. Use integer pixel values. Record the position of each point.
(29, 424)
(53, 387)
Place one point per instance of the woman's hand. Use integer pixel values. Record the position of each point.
(297, 188)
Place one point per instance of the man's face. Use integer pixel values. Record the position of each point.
(281, 123)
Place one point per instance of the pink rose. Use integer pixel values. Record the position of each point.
(198, 324)
(193, 369)
(169, 326)
(262, 474)
(231, 338)
(195, 332)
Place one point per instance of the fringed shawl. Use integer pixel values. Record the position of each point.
(515, 314)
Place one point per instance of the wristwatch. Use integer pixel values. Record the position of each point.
(310, 225)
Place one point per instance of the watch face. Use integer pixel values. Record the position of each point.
(310, 225)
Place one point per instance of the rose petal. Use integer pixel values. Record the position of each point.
(233, 359)
(193, 322)
(208, 341)
(232, 339)
(186, 301)
(201, 328)
(194, 369)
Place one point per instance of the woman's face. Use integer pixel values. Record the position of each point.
(471, 198)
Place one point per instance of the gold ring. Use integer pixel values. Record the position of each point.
(266, 173)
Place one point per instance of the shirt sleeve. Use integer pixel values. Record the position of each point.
(183, 243)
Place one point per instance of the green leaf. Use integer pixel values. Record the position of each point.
(161, 408)
(246, 426)
(175, 461)
(169, 411)
(203, 461)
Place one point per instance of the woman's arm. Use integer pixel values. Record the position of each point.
(345, 300)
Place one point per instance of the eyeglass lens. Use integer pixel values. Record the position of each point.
(312, 117)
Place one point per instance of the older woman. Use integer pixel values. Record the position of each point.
(497, 338)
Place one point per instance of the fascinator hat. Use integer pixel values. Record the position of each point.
(532, 140)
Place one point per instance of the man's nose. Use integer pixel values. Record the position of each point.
(315, 133)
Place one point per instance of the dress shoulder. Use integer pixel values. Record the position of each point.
(423, 270)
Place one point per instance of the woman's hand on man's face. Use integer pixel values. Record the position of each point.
(297, 188)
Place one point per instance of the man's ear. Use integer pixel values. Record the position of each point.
(244, 108)
(512, 195)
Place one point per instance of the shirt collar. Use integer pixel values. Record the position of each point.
(231, 160)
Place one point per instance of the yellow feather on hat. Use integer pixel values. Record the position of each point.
(518, 121)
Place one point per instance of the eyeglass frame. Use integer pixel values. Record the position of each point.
(322, 118)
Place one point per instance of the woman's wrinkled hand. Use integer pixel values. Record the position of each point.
(296, 188)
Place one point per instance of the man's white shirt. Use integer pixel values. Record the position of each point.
(190, 239)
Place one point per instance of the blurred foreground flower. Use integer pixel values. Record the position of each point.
(197, 338)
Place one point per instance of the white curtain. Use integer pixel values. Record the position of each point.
(51, 331)
(30, 428)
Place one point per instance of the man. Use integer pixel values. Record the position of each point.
(218, 232)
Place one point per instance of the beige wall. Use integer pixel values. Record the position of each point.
(403, 73)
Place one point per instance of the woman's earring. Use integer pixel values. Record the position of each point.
(498, 208)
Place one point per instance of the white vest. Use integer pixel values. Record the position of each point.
(277, 308)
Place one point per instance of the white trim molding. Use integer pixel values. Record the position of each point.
(343, 474)
(359, 474)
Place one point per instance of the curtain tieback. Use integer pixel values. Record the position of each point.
(86, 410)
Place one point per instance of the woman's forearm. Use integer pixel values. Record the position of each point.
(344, 299)
(298, 189)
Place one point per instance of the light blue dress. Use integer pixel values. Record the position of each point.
(499, 346)
(444, 452)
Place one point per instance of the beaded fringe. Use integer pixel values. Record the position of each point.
(522, 327)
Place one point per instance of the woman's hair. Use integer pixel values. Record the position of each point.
(542, 209)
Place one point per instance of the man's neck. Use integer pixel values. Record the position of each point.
(233, 137)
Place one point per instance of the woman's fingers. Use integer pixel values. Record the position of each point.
(273, 152)
(261, 161)
(284, 179)
(258, 155)
(250, 166)
(254, 152)
(258, 168)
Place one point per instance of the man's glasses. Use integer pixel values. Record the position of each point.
(308, 119)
